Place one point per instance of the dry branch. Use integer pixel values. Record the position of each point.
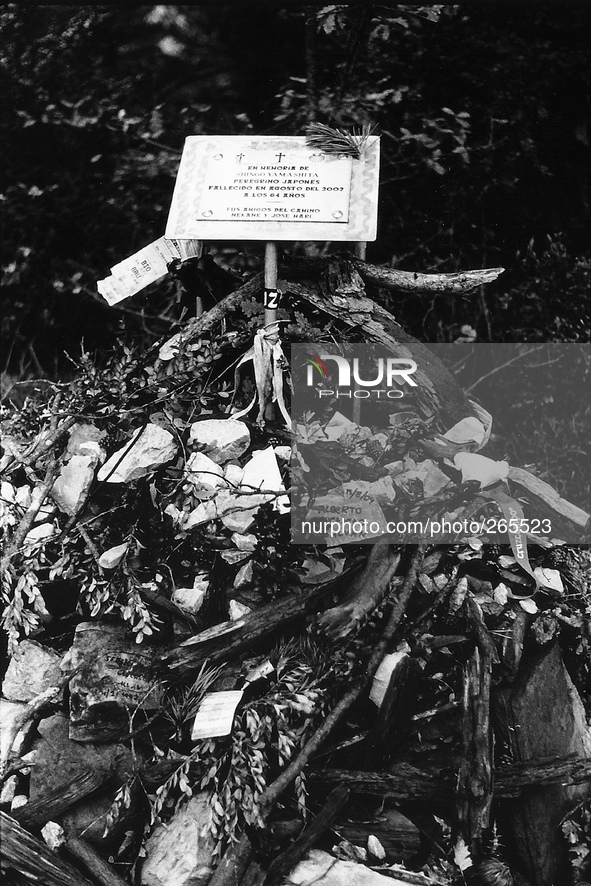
(457, 283)
(411, 281)
(84, 855)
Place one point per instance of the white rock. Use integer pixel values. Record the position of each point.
(233, 475)
(203, 513)
(245, 542)
(238, 610)
(39, 533)
(320, 867)
(191, 599)
(10, 711)
(8, 792)
(262, 473)
(203, 474)
(111, 558)
(54, 835)
(148, 449)
(240, 519)
(375, 847)
(549, 578)
(244, 575)
(180, 853)
(283, 452)
(74, 480)
(32, 670)
(383, 675)
(84, 439)
(223, 439)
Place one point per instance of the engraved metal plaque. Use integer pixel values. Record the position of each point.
(270, 185)
(276, 188)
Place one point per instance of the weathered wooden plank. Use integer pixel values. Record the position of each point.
(20, 851)
(50, 805)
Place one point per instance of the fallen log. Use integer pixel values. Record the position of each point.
(232, 637)
(551, 503)
(474, 785)
(32, 860)
(455, 283)
(404, 782)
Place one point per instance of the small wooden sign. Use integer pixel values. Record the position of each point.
(246, 188)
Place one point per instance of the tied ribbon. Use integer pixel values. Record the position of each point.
(269, 362)
(512, 511)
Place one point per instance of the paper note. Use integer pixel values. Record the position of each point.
(215, 715)
(149, 265)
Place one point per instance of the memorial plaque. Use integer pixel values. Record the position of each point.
(238, 187)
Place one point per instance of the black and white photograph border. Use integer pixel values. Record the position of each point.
(266, 262)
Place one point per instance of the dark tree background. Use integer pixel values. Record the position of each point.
(482, 110)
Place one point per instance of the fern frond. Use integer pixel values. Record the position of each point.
(338, 141)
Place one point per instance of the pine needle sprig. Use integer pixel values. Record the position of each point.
(338, 141)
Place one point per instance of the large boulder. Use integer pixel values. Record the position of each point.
(180, 852)
(57, 760)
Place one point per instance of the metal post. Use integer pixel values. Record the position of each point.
(271, 301)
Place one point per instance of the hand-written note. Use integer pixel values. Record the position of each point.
(215, 715)
(275, 185)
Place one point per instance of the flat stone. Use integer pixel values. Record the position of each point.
(222, 439)
(9, 712)
(261, 472)
(191, 599)
(321, 867)
(84, 438)
(179, 853)
(58, 759)
(32, 670)
(73, 483)
(148, 449)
